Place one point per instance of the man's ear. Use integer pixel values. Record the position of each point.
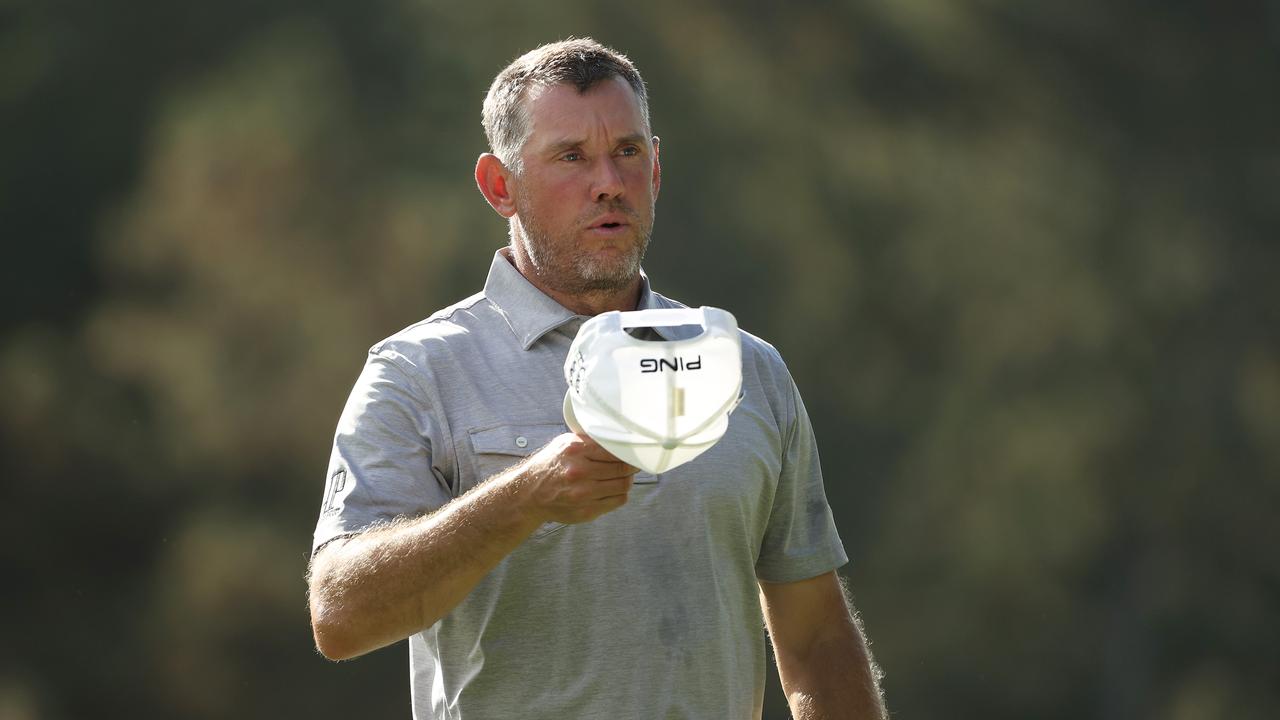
(494, 181)
(657, 168)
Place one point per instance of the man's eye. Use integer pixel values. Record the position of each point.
(630, 150)
(572, 157)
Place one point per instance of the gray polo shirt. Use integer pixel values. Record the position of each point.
(650, 611)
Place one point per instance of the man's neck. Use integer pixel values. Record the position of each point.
(589, 303)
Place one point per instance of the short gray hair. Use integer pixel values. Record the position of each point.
(582, 62)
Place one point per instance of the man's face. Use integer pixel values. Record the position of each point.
(585, 198)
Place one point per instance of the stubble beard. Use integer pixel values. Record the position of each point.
(563, 266)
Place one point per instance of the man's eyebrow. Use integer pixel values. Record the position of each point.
(563, 144)
(633, 139)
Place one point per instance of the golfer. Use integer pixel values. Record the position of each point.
(535, 574)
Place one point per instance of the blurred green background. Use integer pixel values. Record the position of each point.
(1021, 258)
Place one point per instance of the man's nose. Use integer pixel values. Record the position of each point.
(607, 181)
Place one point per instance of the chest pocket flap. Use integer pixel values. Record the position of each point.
(514, 440)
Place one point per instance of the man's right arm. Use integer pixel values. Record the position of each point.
(381, 586)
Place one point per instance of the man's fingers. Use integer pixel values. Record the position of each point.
(610, 504)
(593, 450)
(606, 489)
(613, 470)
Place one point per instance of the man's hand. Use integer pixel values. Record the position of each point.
(572, 479)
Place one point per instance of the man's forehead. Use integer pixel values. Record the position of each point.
(558, 111)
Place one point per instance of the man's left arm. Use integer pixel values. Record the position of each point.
(823, 656)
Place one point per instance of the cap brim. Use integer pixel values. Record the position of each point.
(569, 418)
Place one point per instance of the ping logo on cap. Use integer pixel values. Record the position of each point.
(650, 365)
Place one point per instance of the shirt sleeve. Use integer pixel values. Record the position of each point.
(381, 467)
(800, 539)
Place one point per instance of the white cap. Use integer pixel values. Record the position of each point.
(655, 404)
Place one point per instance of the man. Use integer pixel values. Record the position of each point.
(535, 575)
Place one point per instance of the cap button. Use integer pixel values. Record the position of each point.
(522, 441)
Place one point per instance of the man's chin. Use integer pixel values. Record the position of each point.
(611, 274)
(607, 283)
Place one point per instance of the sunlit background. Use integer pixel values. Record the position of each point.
(1021, 258)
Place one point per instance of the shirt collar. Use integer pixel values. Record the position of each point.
(531, 313)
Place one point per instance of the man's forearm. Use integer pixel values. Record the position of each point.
(379, 587)
(837, 679)
(823, 657)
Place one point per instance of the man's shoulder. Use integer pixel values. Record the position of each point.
(758, 350)
(447, 326)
